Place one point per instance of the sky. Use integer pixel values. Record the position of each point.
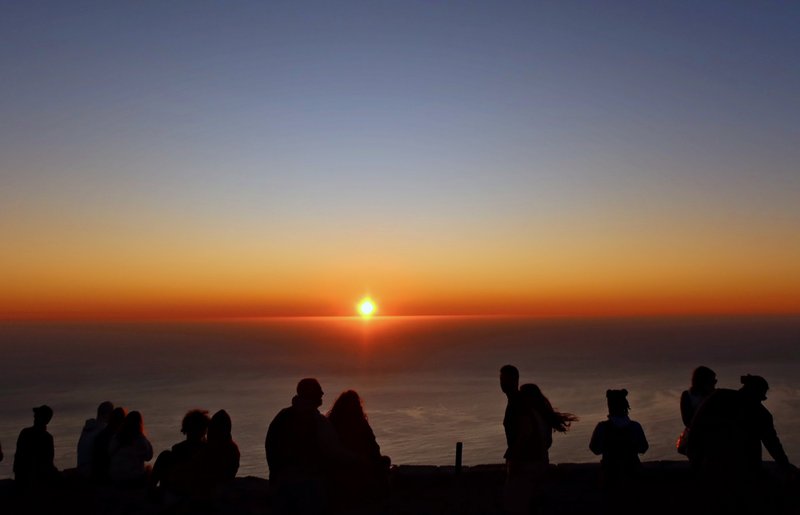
(203, 159)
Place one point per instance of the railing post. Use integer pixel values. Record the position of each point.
(459, 452)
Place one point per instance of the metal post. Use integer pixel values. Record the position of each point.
(459, 452)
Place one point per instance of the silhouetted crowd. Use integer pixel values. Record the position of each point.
(332, 463)
(723, 436)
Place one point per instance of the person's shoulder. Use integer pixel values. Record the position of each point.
(90, 425)
(636, 425)
(285, 412)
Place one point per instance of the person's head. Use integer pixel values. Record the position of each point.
(348, 406)
(532, 396)
(220, 426)
(195, 424)
(509, 379)
(132, 426)
(104, 411)
(42, 415)
(116, 418)
(309, 390)
(704, 380)
(754, 387)
(617, 402)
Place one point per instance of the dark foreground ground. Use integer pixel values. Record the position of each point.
(666, 487)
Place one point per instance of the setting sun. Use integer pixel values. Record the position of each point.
(366, 307)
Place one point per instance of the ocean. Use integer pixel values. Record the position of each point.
(427, 382)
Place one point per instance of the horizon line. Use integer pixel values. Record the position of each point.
(422, 316)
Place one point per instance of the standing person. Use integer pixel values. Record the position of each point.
(302, 448)
(728, 431)
(33, 461)
(368, 477)
(619, 440)
(704, 381)
(528, 455)
(129, 450)
(509, 385)
(91, 429)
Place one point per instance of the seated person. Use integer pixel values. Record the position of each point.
(222, 453)
(368, 475)
(179, 471)
(128, 451)
(33, 461)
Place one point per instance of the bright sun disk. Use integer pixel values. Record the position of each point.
(366, 307)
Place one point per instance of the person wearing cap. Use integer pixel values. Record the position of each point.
(729, 429)
(33, 461)
(91, 429)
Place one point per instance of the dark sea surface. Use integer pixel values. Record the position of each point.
(427, 382)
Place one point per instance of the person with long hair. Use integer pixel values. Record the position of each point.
(129, 450)
(367, 476)
(704, 382)
(222, 453)
(528, 455)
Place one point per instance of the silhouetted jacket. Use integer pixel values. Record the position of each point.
(727, 433)
(620, 440)
(33, 461)
(301, 444)
(690, 403)
(511, 422)
(126, 461)
(222, 460)
(91, 429)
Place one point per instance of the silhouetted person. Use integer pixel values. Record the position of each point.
(509, 384)
(368, 477)
(730, 427)
(619, 439)
(33, 461)
(101, 459)
(91, 429)
(302, 450)
(179, 471)
(725, 446)
(704, 380)
(129, 450)
(528, 455)
(222, 453)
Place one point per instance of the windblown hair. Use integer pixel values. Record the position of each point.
(558, 421)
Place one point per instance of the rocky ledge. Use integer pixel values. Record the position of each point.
(666, 487)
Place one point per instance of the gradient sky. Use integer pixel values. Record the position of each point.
(279, 158)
